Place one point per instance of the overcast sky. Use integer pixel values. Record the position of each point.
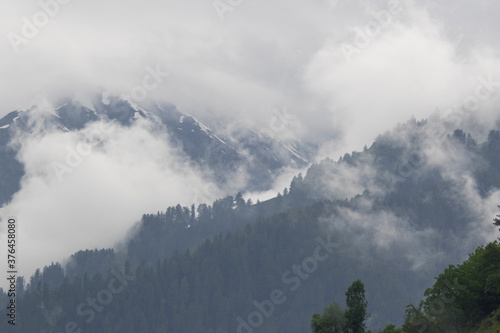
(242, 60)
(342, 77)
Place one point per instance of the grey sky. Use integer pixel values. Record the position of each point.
(264, 54)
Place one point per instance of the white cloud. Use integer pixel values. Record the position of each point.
(131, 172)
(262, 54)
(409, 69)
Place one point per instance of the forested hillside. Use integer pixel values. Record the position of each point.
(219, 282)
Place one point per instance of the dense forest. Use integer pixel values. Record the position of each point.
(210, 288)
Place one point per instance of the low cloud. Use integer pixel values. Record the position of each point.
(130, 172)
(375, 230)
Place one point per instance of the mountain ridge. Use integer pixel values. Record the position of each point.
(221, 156)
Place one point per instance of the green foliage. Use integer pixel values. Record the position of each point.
(392, 329)
(332, 320)
(461, 296)
(337, 320)
(356, 304)
(490, 324)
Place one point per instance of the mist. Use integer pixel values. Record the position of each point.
(85, 191)
(373, 230)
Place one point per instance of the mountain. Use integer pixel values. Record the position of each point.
(222, 156)
(11, 170)
(394, 215)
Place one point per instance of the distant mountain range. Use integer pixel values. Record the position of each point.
(220, 156)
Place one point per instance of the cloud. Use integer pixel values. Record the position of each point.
(410, 68)
(376, 234)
